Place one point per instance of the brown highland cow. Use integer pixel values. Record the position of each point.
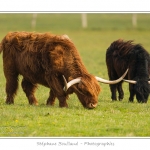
(49, 60)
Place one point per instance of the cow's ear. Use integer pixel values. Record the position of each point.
(70, 78)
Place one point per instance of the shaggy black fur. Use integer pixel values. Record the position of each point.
(122, 55)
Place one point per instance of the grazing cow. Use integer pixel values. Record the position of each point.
(125, 54)
(49, 60)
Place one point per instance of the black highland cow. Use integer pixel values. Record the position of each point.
(125, 54)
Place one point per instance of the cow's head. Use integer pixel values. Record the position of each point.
(88, 89)
(141, 88)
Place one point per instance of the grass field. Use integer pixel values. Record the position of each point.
(109, 119)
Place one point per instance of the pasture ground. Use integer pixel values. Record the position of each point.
(109, 119)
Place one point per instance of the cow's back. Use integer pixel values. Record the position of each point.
(122, 55)
(35, 55)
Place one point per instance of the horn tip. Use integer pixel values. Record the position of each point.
(65, 82)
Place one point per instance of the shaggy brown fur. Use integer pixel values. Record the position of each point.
(125, 54)
(43, 59)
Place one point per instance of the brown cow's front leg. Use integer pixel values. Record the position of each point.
(51, 99)
(56, 85)
(62, 101)
(61, 97)
(29, 90)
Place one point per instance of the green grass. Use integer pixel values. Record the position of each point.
(111, 119)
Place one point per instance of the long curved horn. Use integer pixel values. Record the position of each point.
(111, 82)
(131, 81)
(70, 83)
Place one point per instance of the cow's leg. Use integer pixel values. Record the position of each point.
(132, 93)
(56, 85)
(113, 89)
(51, 99)
(62, 97)
(120, 91)
(29, 90)
(112, 76)
(11, 87)
(11, 76)
(62, 101)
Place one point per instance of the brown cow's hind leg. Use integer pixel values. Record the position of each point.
(29, 90)
(11, 88)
